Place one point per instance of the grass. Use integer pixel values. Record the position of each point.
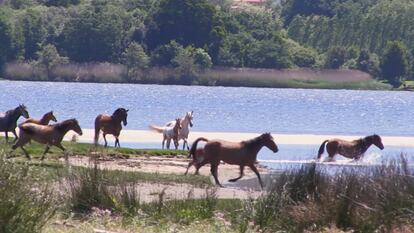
(249, 81)
(35, 150)
(245, 77)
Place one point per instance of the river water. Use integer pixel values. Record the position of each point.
(228, 109)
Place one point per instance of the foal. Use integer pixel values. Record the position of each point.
(169, 132)
(349, 149)
(44, 120)
(51, 135)
(110, 125)
(242, 153)
(186, 121)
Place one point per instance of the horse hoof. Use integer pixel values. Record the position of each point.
(232, 180)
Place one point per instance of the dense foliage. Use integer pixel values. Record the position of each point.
(193, 35)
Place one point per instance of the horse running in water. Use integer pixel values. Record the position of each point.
(42, 121)
(110, 125)
(8, 120)
(242, 153)
(51, 135)
(186, 121)
(349, 149)
(169, 132)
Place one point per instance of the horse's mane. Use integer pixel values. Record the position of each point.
(118, 111)
(65, 123)
(254, 141)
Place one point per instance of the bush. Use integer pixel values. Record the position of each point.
(26, 205)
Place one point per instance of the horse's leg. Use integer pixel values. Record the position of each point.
(184, 143)
(15, 135)
(191, 163)
(214, 168)
(254, 169)
(104, 137)
(45, 152)
(63, 149)
(168, 143)
(241, 174)
(117, 141)
(7, 136)
(163, 141)
(25, 153)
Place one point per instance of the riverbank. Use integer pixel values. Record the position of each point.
(229, 77)
(146, 136)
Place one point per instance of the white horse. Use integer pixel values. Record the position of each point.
(169, 132)
(186, 121)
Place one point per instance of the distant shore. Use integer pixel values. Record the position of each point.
(219, 76)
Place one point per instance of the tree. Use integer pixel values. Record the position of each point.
(50, 58)
(202, 59)
(188, 22)
(6, 39)
(95, 34)
(34, 33)
(164, 54)
(394, 64)
(135, 59)
(335, 58)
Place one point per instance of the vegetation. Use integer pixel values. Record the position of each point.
(312, 199)
(171, 41)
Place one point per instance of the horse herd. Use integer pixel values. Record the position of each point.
(242, 153)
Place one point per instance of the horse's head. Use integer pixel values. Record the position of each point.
(189, 116)
(178, 123)
(51, 117)
(23, 111)
(74, 125)
(376, 140)
(121, 114)
(269, 142)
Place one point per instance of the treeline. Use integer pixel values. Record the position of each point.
(191, 36)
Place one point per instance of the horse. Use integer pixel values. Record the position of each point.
(51, 135)
(198, 161)
(110, 125)
(46, 118)
(242, 153)
(349, 149)
(169, 132)
(8, 120)
(186, 121)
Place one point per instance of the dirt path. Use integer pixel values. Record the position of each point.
(247, 187)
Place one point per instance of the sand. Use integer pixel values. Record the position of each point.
(145, 136)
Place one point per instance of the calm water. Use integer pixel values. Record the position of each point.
(229, 109)
(222, 108)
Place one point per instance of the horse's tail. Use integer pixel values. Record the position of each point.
(322, 148)
(157, 129)
(194, 146)
(97, 129)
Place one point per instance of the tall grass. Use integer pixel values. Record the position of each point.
(371, 199)
(26, 204)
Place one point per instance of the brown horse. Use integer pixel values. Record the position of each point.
(350, 149)
(51, 135)
(110, 125)
(242, 153)
(44, 120)
(169, 132)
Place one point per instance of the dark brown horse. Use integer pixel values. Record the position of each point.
(8, 120)
(51, 135)
(110, 125)
(350, 149)
(44, 120)
(242, 153)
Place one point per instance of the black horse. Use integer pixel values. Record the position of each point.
(8, 120)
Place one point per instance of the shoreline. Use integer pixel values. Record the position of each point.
(146, 136)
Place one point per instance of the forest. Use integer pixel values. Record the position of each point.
(174, 41)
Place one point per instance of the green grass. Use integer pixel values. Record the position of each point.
(293, 83)
(35, 150)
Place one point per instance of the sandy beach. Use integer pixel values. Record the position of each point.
(146, 136)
